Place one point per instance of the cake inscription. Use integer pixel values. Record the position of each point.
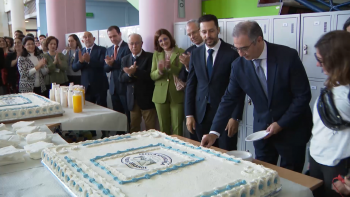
(141, 161)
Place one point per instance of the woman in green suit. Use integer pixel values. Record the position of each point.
(165, 66)
(56, 62)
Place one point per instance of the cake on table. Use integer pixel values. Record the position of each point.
(153, 164)
(27, 105)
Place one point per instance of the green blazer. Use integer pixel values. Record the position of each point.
(56, 76)
(165, 82)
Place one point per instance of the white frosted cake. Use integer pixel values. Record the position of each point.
(153, 164)
(27, 105)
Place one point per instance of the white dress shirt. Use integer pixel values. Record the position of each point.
(328, 147)
(198, 45)
(263, 64)
(90, 48)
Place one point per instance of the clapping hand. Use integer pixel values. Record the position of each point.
(161, 66)
(81, 59)
(167, 64)
(86, 57)
(131, 70)
(185, 59)
(109, 60)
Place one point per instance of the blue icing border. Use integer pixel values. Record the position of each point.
(20, 108)
(207, 151)
(91, 180)
(146, 176)
(12, 96)
(106, 140)
(227, 188)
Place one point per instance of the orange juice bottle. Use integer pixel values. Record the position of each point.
(77, 102)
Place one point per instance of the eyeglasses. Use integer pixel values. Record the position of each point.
(134, 43)
(244, 49)
(318, 59)
(164, 39)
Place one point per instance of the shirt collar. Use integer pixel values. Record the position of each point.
(120, 43)
(263, 55)
(91, 47)
(138, 55)
(216, 47)
(200, 44)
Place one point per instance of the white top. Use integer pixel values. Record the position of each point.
(215, 48)
(263, 58)
(327, 146)
(33, 71)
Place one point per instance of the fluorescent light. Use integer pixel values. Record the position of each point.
(26, 21)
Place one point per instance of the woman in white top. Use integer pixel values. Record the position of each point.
(32, 68)
(73, 45)
(330, 149)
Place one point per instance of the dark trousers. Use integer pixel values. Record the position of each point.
(119, 104)
(37, 90)
(327, 173)
(96, 96)
(75, 79)
(224, 142)
(292, 156)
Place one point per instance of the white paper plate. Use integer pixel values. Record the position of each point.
(241, 154)
(256, 136)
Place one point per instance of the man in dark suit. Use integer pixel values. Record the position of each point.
(112, 64)
(209, 75)
(2, 65)
(90, 60)
(275, 79)
(136, 69)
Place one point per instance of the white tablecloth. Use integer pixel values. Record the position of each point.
(93, 117)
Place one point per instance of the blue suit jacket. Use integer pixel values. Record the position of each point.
(288, 95)
(93, 74)
(115, 86)
(199, 86)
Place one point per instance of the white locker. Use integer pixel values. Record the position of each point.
(285, 30)
(104, 39)
(315, 86)
(340, 19)
(180, 35)
(248, 118)
(241, 138)
(313, 26)
(230, 24)
(222, 29)
(249, 146)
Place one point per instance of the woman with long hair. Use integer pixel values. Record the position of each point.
(165, 69)
(73, 45)
(11, 65)
(32, 68)
(329, 148)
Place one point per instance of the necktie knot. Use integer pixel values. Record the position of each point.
(257, 62)
(210, 51)
(89, 50)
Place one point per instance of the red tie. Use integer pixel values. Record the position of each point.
(115, 51)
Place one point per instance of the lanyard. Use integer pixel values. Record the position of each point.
(53, 58)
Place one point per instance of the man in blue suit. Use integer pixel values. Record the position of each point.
(208, 78)
(90, 60)
(275, 79)
(112, 64)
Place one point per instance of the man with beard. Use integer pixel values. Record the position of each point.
(208, 78)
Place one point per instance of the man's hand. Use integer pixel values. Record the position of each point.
(133, 68)
(273, 129)
(185, 59)
(232, 127)
(208, 140)
(341, 187)
(109, 60)
(191, 124)
(86, 57)
(81, 59)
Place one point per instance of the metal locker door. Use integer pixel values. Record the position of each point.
(249, 146)
(222, 30)
(249, 109)
(264, 24)
(180, 36)
(240, 138)
(313, 27)
(315, 87)
(341, 19)
(230, 24)
(285, 32)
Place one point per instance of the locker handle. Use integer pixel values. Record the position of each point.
(265, 29)
(185, 31)
(249, 101)
(292, 28)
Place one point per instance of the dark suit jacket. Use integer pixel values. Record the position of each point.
(2, 63)
(199, 86)
(183, 73)
(115, 86)
(12, 71)
(140, 86)
(288, 95)
(93, 74)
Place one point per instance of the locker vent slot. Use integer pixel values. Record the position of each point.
(292, 28)
(264, 29)
(325, 26)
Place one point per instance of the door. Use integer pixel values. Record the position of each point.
(315, 87)
(284, 32)
(313, 27)
(180, 36)
(241, 138)
(341, 19)
(222, 29)
(230, 24)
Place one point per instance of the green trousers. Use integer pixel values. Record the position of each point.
(170, 114)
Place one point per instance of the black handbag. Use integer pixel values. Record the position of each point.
(328, 112)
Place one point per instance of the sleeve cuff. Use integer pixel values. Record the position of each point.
(214, 132)
(32, 71)
(189, 116)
